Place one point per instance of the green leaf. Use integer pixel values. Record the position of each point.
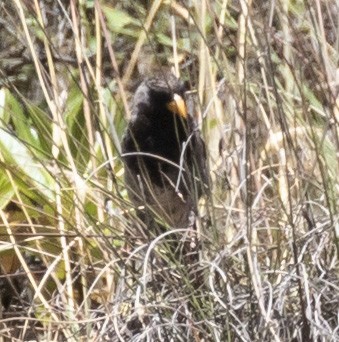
(76, 127)
(73, 107)
(4, 113)
(18, 158)
(42, 124)
(117, 19)
(164, 39)
(6, 190)
(20, 122)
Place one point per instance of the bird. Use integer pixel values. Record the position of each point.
(164, 154)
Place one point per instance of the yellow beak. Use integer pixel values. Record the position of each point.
(178, 106)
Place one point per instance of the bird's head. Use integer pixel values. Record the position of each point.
(160, 95)
(169, 92)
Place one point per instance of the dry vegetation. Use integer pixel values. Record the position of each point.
(264, 77)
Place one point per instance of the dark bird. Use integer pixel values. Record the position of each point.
(163, 153)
